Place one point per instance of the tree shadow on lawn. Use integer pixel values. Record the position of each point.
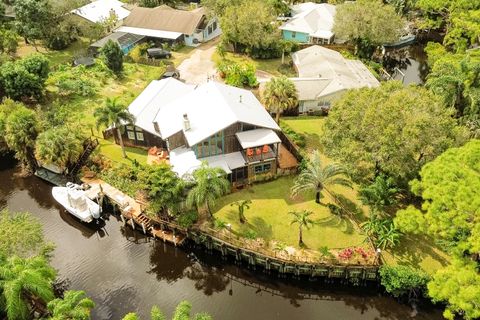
(257, 224)
(341, 223)
(412, 250)
(351, 207)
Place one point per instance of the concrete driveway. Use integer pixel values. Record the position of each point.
(199, 67)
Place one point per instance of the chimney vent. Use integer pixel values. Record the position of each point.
(186, 123)
(156, 127)
(240, 99)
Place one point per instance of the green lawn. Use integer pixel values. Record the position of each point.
(412, 250)
(269, 216)
(272, 66)
(309, 126)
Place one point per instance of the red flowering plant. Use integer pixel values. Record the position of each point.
(357, 255)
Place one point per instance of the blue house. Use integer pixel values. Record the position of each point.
(311, 23)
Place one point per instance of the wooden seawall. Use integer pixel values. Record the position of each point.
(351, 273)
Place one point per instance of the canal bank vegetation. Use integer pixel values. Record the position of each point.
(182, 312)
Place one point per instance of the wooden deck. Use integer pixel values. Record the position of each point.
(130, 210)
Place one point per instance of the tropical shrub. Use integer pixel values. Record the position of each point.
(402, 280)
(237, 74)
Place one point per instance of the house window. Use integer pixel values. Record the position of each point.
(210, 30)
(131, 135)
(261, 168)
(214, 25)
(130, 128)
(140, 136)
(210, 147)
(294, 34)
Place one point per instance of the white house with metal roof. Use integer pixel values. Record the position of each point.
(101, 10)
(310, 23)
(324, 75)
(223, 125)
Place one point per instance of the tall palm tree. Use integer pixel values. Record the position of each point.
(302, 218)
(279, 95)
(114, 114)
(317, 177)
(26, 284)
(75, 305)
(210, 184)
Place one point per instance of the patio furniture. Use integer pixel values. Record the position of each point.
(265, 149)
(249, 152)
(259, 151)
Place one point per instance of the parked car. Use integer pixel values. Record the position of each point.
(158, 53)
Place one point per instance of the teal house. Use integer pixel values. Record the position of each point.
(311, 23)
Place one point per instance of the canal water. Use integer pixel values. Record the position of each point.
(123, 272)
(408, 64)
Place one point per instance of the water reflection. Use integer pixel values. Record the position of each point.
(411, 61)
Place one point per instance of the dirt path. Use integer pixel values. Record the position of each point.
(199, 67)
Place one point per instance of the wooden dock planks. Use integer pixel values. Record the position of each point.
(130, 209)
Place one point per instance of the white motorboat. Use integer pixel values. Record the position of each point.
(72, 197)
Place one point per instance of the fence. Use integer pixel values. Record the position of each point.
(290, 146)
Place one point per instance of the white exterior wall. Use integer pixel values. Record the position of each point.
(305, 106)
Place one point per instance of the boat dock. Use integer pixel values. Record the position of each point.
(131, 211)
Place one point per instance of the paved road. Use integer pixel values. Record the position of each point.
(199, 67)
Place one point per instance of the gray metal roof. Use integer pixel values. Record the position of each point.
(122, 38)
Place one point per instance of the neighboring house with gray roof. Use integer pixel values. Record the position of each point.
(223, 125)
(324, 75)
(310, 23)
(167, 24)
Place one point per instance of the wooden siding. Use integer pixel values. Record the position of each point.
(149, 140)
(177, 140)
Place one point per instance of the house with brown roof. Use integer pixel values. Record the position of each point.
(167, 24)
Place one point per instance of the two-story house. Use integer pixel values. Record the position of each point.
(223, 125)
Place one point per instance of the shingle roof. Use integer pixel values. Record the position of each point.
(100, 10)
(165, 18)
(313, 19)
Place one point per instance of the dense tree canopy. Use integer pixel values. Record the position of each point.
(391, 129)
(368, 23)
(459, 286)
(249, 25)
(450, 188)
(24, 78)
(33, 18)
(455, 78)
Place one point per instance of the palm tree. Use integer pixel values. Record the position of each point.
(279, 95)
(242, 205)
(114, 114)
(210, 184)
(60, 145)
(26, 284)
(20, 134)
(302, 218)
(75, 305)
(317, 177)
